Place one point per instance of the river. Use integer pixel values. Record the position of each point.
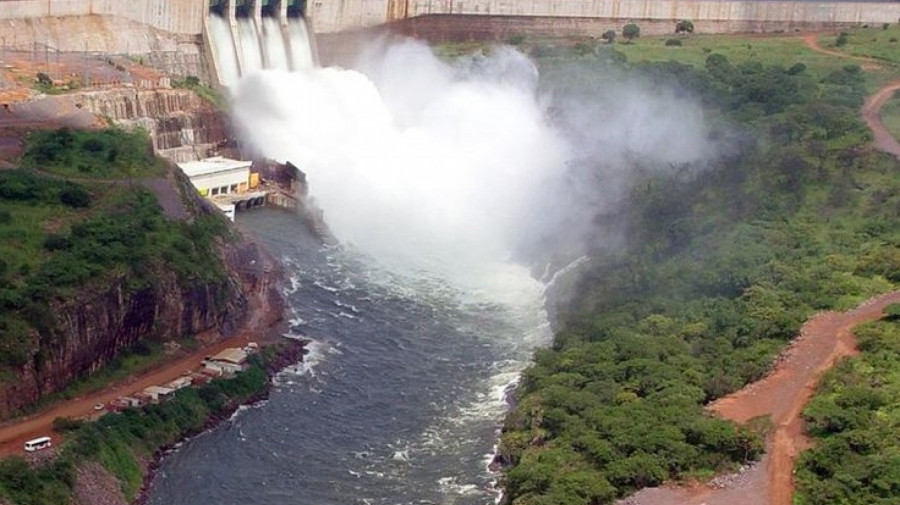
(399, 401)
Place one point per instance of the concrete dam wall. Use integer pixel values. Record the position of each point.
(331, 16)
(175, 16)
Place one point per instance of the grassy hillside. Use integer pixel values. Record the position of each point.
(716, 273)
(60, 237)
(881, 42)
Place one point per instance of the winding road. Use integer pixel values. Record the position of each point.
(871, 114)
(262, 325)
(824, 339)
(883, 139)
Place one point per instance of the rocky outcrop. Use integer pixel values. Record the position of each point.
(182, 125)
(94, 328)
(88, 330)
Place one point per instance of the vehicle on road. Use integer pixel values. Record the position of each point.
(37, 444)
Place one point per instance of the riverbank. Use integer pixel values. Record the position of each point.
(287, 353)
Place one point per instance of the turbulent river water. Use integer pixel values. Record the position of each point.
(398, 402)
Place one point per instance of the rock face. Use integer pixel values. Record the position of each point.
(88, 331)
(182, 125)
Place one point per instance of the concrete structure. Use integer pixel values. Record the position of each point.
(233, 355)
(218, 175)
(158, 393)
(227, 208)
(188, 17)
(180, 383)
(228, 362)
(175, 16)
(228, 184)
(176, 33)
(340, 15)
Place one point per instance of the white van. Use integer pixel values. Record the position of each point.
(37, 444)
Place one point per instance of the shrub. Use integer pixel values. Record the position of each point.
(66, 424)
(841, 39)
(76, 197)
(673, 42)
(797, 68)
(631, 31)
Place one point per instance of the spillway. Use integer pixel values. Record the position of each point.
(246, 36)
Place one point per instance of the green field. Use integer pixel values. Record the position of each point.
(874, 42)
(776, 50)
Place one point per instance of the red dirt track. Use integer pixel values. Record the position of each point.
(823, 340)
(870, 113)
(264, 317)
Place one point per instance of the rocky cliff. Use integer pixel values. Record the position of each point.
(85, 332)
(182, 125)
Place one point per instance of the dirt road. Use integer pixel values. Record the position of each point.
(872, 108)
(265, 314)
(811, 40)
(13, 436)
(871, 114)
(782, 394)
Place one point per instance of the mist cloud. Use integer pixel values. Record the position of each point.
(444, 166)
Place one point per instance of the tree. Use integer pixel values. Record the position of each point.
(684, 26)
(841, 39)
(609, 36)
(631, 31)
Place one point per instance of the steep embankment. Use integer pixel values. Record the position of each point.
(101, 269)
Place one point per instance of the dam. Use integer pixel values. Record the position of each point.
(250, 35)
(223, 40)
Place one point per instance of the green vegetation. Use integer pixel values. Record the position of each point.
(142, 357)
(609, 36)
(61, 238)
(716, 274)
(855, 421)
(631, 31)
(105, 154)
(212, 96)
(121, 441)
(684, 26)
(879, 43)
(890, 115)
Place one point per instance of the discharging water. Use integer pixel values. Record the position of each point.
(398, 402)
(420, 321)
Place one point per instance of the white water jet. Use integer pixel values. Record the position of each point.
(223, 47)
(301, 53)
(251, 49)
(427, 167)
(274, 45)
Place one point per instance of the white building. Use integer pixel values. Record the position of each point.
(218, 176)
